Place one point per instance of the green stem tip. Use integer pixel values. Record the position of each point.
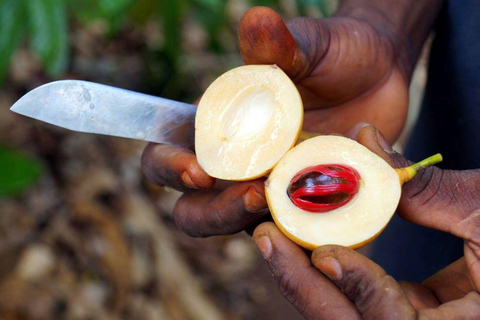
(407, 174)
(430, 161)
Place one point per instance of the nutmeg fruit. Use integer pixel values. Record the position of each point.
(246, 121)
(353, 192)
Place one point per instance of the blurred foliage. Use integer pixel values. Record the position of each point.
(17, 172)
(43, 24)
(45, 28)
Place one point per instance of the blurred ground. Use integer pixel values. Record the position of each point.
(92, 239)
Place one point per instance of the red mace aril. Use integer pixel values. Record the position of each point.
(366, 192)
(324, 187)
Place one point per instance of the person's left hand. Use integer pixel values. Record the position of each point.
(339, 283)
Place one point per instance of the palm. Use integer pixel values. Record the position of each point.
(345, 70)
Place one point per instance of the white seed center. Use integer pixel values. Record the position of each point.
(248, 113)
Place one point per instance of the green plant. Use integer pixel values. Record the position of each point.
(17, 172)
(43, 24)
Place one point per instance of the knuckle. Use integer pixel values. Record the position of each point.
(287, 286)
(367, 291)
(197, 220)
(398, 160)
(356, 286)
(294, 292)
(217, 221)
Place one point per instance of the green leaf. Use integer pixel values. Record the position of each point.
(327, 7)
(17, 172)
(274, 4)
(112, 8)
(211, 21)
(85, 10)
(143, 10)
(49, 32)
(171, 13)
(12, 17)
(215, 6)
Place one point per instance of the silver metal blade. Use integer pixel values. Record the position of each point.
(95, 108)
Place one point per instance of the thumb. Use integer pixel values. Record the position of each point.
(445, 200)
(314, 296)
(375, 294)
(264, 38)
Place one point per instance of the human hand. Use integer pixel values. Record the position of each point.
(339, 283)
(345, 70)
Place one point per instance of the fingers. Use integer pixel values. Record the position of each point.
(207, 213)
(174, 167)
(372, 138)
(419, 296)
(375, 294)
(472, 261)
(264, 38)
(451, 283)
(466, 308)
(203, 212)
(314, 296)
(445, 200)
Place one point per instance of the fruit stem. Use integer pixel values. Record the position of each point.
(406, 174)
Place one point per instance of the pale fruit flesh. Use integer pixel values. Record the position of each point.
(352, 225)
(246, 121)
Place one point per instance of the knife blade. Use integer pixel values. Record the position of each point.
(100, 109)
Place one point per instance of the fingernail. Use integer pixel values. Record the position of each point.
(253, 201)
(353, 132)
(264, 245)
(330, 267)
(383, 142)
(187, 181)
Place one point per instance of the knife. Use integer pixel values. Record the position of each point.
(96, 108)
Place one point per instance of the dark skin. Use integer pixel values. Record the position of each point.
(353, 67)
(338, 283)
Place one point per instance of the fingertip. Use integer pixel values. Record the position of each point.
(255, 20)
(353, 132)
(330, 267)
(329, 258)
(366, 133)
(326, 251)
(302, 285)
(264, 245)
(174, 167)
(264, 38)
(369, 137)
(263, 229)
(375, 294)
(187, 180)
(197, 178)
(254, 199)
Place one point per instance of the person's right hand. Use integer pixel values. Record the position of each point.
(346, 71)
(336, 282)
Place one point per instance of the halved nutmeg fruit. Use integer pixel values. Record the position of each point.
(246, 121)
(333, 190)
